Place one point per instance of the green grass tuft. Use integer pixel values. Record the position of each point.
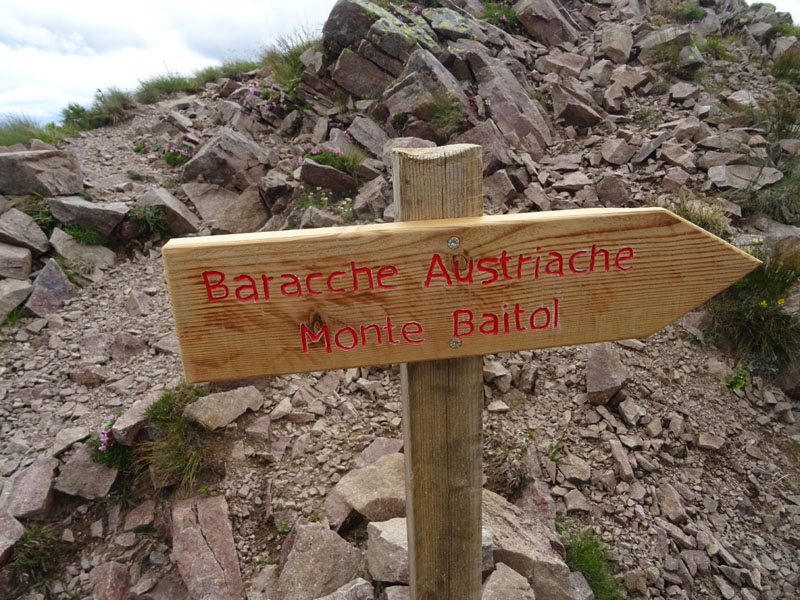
(84, 234)
(283, 57)
(116, 456)
(14, 316)
(688, 11)
(33, 556)
(179, 450)
(780, 200)
(749, 320)
(445, 115)
(709, 217)
(587, 555)
(348, 161)
(37, 209)
(151, 220)
(501, 15)
(153, 89)
(715, 48)
(787, 67)
(19, 129)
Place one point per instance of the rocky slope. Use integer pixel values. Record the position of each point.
(693, 488)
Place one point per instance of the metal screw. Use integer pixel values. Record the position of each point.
(453, 243)
(455, 343)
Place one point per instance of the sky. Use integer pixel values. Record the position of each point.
(54, 52)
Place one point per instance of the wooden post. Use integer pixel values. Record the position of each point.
(442, 400)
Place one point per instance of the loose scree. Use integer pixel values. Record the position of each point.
(263, 304)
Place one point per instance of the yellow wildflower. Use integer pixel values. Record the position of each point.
(762, 303)
(780, 302)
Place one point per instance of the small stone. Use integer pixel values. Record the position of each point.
(218, 410)
(387, 550)
(605, 373)
(51, 289)
(670, 502)
(498, 407)
(576, 502)
(284, 408)
(27, 495)
(82, 476)
(622, 465)
(110, 581)
(15, 262)
(140, 516)
(379, 447)
(707, 441)
(505, 583)
(630, 412)
(10, 532)
(617, 151)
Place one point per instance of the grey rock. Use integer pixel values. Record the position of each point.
(138, 305)
(103, 217)
(84, 477)
(617, 151)
(349, 22)
(379, 447)
(129, 423)
(622, 465)
(260, 428)
(397, 592)
(314, 217)
(580, 587)
(572, 182)
(612, 190)
(527, 546)
(358, 589)
(617, 42)
(51, 289)
(651, 43)
(670, 502)
(677, 155)
(708, 441)
(318, 563)
(376, 491)
(743, 177)
(729, 141)
(18, 229)
(372, 198)
(712, 158)
(228, 159)
(15, 262)
(742, 100)
(125, 347)
(140, 516)
(563, 63)
(682, 91)
(204, 550)
(546, 21)
(572, 109)
(605, 373)
(12, 293)
(497, 189)
(494, 151)
(77, 253)
(27, 495)
(403, 142)
(327, 177)
(11, 531)
(227, 211)
(45, 172)
(505, 583)
(359, 76)
(576, 502)
(575, 469)
(65, 438)
(387, 550)
(630, 411)
(369, 134)
(454, 25)
(217, 410)
(686, 129)
(180, 219)
(649, 147)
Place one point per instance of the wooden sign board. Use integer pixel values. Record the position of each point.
(295, 301)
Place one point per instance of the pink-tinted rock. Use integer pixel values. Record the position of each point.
(377, 491)
(18, 229)
(179, 218)
(203, 548)
(126, 346)
(546, 21)
(110, 581)
(140, 516)
(15, 262)
(45, 172)
(101, 216)
(27, 495)
(378, 448)
(82, 476)
(132, 420)
(10, 532)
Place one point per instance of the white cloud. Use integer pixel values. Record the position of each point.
(54, 52)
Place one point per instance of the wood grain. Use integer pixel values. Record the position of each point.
(442, 403)
(676, 267)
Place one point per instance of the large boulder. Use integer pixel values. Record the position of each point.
(348, 23)
(359, 76)
(15, 262)
(12, 293)
(228, 159)
(547, 21)
(84, 477)
(45, 172)
(27, 495)
(103, 217)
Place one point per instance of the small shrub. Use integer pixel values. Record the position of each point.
(106, 451)
(749, 319)
(501, 15)
(716, 49)
(687, 12)
(348, 161)
(709, 217)
(179, 450)
(787, 67)
(587, 555)
(110, 107)
(179, 154)
(151, 220)
(346, 211)
(84, 234)
(650, 116)
(784, 113)
(152, 90)
(33, 557)
(134, 175)
(661, 87)
(445, 115)
(737, 380)
(783, 30)
(399, 121)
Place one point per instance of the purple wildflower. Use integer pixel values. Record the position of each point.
(417, 10)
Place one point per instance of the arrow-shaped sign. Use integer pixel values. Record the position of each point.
(294, 301)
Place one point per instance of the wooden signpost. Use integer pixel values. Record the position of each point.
(437, 291)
